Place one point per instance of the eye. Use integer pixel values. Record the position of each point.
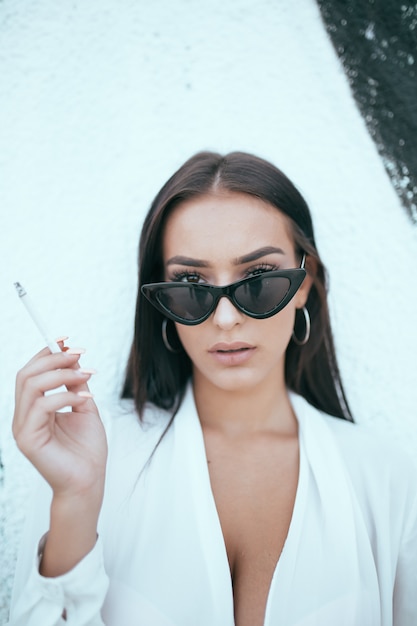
(187, 277)
(260, 269)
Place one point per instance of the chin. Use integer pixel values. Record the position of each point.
(235, 380)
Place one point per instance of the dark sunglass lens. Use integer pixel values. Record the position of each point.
(187, 302)
(263, 294)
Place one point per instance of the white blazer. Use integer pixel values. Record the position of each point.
(350, 557)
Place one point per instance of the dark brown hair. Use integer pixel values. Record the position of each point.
(158, 376)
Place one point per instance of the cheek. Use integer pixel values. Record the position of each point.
(280, 327)
(189, 336)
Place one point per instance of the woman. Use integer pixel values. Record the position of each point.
(238, 497)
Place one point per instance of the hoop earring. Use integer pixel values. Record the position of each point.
(303, 341)
(165, 338)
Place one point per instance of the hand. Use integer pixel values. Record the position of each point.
(69, 449)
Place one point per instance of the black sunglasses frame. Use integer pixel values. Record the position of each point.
(295, 276)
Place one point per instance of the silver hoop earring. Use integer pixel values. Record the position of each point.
(165, 338)
(303, 341)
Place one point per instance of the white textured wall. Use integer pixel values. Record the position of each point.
(100, 101)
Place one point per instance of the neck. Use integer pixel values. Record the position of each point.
(262, 408)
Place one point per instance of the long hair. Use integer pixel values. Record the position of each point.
(157, 376)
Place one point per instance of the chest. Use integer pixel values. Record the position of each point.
(254, 484)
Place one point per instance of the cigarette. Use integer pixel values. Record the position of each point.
(31, 309)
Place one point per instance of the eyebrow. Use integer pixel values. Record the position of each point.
(185, 260)
(246, 258)
(257, 254)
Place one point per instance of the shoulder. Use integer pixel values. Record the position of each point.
(364, 449)
(368, 449)
(382, 472)
(382, 475)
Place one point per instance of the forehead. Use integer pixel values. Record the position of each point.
(225, 224)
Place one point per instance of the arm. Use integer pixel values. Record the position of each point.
(73, 599)
(69, 450)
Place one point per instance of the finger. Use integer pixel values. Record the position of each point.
(61, 340)
(46, 351)
(34, 387)
(37, 356)
(80, 381)
(43, 408)
(48, 381)
(45, 361)
(82, 385)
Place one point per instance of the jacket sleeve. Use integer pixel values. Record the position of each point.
(405, 589)
(74, 599)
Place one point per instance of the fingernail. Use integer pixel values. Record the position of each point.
(86, 370)
(61, 339)
(75, 351)
(85, 394)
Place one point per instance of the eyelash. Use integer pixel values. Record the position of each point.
(181, 275)
(260, 269)
(195, 277)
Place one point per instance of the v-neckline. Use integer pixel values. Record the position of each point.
(218, 554)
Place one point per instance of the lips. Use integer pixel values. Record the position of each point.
(236, 346)
(232, 354)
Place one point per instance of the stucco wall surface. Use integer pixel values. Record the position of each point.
(100, 102)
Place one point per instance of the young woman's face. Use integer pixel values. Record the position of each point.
(215, 235)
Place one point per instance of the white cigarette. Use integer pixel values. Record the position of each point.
(52, 345)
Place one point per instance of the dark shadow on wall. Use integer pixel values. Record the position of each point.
(376, 41)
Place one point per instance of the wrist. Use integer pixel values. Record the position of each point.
(76, 512)
(72, 533)
(78, 497)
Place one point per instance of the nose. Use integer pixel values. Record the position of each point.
(226, 315)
